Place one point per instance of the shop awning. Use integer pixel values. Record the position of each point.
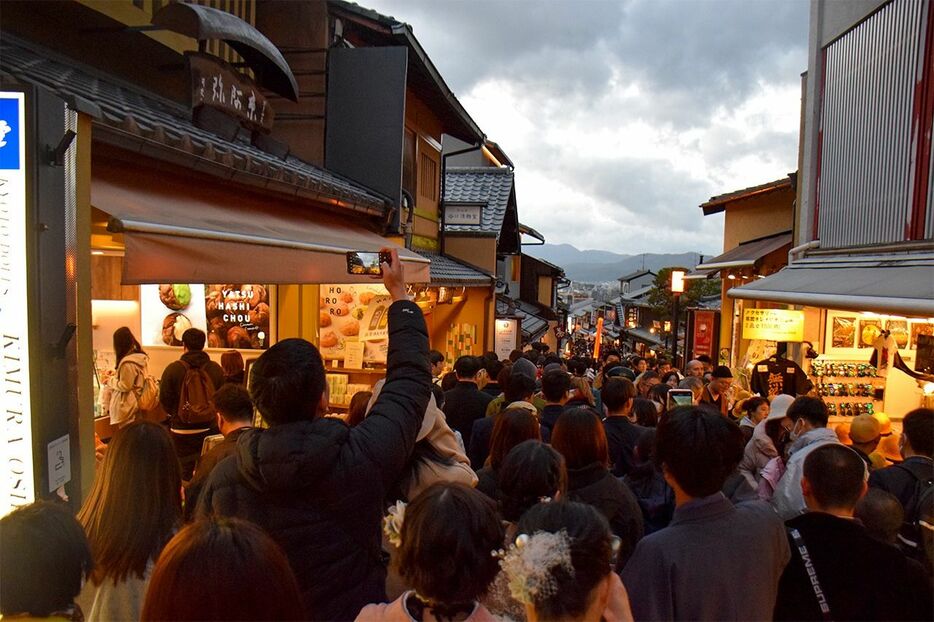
(699, 274)
(902, 287)
(747, 254)
(185, 232)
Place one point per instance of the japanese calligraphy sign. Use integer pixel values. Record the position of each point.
(217, 84)
(773, 324)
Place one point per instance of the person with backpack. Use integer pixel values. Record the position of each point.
(132, 390)
(185, 392)
(912, 481)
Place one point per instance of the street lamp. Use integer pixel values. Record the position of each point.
(677, 288)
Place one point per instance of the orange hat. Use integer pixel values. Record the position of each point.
(885, 424)
(843, 433)
(889, 448)
(865, 429)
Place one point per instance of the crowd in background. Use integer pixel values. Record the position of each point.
(533, 488)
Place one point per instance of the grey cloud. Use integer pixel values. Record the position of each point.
(689, 58)
(691, 54)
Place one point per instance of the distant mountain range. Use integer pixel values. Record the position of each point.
(594, 266)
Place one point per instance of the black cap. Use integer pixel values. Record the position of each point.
(722, 371)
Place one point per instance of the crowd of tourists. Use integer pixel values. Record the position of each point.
(533, 488)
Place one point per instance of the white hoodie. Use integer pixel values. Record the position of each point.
(788, 499)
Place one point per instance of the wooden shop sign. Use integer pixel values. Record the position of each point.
(219, 85)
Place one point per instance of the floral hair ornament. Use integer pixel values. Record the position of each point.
(392, 523)
(529, 564)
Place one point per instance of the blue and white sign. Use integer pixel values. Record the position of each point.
(11, 124)
(17, 486)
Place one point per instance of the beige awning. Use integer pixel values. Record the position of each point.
(181, 231)
(898, 285)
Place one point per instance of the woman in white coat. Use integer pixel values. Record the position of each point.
(128, 385)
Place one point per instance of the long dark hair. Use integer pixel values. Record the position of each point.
(125, 343)
(135, 502)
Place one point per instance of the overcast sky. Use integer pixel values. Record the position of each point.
(621, 117)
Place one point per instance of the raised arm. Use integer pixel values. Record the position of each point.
(387, 436)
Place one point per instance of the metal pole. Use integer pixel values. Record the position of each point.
(674, 332)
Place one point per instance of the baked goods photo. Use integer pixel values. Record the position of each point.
(259, 315)
(324, 319)
(173, 327)
(238, 337)
(256, 294)
(175, 296)
(216, 340)
(329, 339)
(351, 328)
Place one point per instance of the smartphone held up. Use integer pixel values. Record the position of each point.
(367, 263)
(679, 397)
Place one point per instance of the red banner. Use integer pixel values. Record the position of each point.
(704, 324)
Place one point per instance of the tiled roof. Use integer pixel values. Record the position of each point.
(557, 270)
(449, 271)
(534, 317)
(635, 275)
(749, 253)
(644, 336)
(488, 186)
(146, 118)
(718, 203)
(637, 294)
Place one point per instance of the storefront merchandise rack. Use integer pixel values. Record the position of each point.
(849, 388)
(343, 385)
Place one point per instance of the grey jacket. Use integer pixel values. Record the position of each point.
(788, 500)
(699, 567)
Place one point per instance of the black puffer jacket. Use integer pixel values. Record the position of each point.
(596, 486)
(318, 486)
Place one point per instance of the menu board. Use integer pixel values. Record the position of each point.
(233, 315)
(344, 315)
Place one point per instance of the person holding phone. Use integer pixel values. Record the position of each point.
(316, 485)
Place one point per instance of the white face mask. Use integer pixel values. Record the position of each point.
(793, 435)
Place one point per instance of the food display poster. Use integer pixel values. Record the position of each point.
(233, 315)
(855, 331)
(343, 310)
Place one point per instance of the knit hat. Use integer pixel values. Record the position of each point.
(778, 409)
(722, 371)
(525, 367)
(865, 429)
